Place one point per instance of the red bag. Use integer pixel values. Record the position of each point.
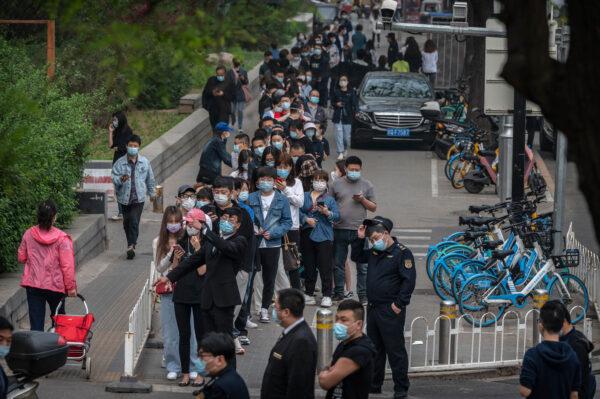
(164, 288)
(73, 328)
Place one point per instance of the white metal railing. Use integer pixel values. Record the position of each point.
(589, 267)
(140, 320)
(502, 344)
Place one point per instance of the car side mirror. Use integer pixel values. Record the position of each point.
(431, 110)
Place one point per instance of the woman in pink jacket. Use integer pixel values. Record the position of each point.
(49, 260)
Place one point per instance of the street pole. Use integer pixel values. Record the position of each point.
(518, 170)
(505, 167)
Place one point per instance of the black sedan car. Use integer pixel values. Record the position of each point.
(389, 109)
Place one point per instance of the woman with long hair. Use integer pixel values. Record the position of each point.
(244, 161)
(270, 156)
(430, 59)
(412, 54)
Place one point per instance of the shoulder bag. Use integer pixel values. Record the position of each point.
(291, 256)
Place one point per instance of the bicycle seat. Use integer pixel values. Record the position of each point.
(471, 235)
(475, 220)
(501, 254)
(476, 229)
(487, 153)
(492, 244)
(478, 208)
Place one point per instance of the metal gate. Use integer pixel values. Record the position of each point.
(451, 56)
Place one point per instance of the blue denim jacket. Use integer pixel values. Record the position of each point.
(144, 179)
(323, 230)
(279, 217)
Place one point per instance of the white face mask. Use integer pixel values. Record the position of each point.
(319, 185)
(188, 203)
(192, 231)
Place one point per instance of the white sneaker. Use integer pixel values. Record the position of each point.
(264, 316)
(238, 347)
(193, 375)
(116, 217)
(309, 300)
(171, 376)
(250, 324)
(345, 154)
(340, 157)
(326, 302)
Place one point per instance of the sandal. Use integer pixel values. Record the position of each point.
(197, 384)
(184, 382)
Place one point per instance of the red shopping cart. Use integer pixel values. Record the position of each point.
(76, 330)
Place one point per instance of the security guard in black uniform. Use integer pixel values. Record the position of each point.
(390, 283)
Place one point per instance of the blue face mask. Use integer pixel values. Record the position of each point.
(283, 173)
(225, 226)
(200, 366)
(200, 204)
(243, 196)
(353, 175)
(278, 145)
(220, 78)
(4, 351)
(270, 164)
(274, 316)
(265, 186)
(314, 100)
(280, 80)
(286, 105)
(310, 133)
(236, 148)
(379, 245)
(340, 331)
(259, 151)
(293, 134)
(132, 151)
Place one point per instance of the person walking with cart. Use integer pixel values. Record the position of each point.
(391, 280)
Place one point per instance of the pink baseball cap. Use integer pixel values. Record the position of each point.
(195, 214)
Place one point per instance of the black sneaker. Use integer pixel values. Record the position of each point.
(130, 252)
(338, 298)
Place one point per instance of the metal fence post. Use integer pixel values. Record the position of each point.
(540, 297)
(447, 341)
(324, 338)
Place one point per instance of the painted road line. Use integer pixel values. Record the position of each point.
(413, 237)
(419, 254)
(434, 178)
(412, 230)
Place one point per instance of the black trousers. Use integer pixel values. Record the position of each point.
(36, 303)
(317, 258)
(244, 312)
(132, 214)
(294, 275)
(386, 330)
(183, 311)
(269, 261)
(219, 320)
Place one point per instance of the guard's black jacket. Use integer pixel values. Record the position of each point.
(222, 258)
(290, 372)
(391, 273)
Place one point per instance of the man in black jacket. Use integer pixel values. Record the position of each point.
(290, 372)
(217, 96)
(222, 254)
(213, 153)
(390, 282)
(582, 347)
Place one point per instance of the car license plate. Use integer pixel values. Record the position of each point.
(395, 132)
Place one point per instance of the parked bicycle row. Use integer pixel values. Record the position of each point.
(499, 258)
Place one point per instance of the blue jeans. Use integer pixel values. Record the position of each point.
(237, 113)
(342, 137)
(341, 240)
(170, 336)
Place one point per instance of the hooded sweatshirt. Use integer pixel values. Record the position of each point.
(49, 260)
(582, 347)
(551, 370)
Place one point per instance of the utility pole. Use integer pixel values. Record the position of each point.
(518, 176)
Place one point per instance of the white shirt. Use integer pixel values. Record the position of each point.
(291, 327)
(295, 196)
(265, 204)
(234, 159)
(429, 62)
(236, 173)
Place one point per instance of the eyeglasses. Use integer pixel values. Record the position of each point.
(187, 196)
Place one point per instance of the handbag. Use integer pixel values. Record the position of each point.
(164, 288)
(247, 94)
(291, 256)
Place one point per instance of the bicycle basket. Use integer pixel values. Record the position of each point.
(569, 259)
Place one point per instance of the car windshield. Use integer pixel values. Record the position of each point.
(396, 86)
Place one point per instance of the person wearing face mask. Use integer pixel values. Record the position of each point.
(333, 50)
(352, 365)
(304, 88)
(278, 142)
(186, 198)
(258, 146)
(217, 351)
(282, 109)
(345, 102)
(119, 133)
(266, 100)
(319, 67)
(243, 169)
(290, 371)
(314, 110)
(279, 79)
(272, 220)
(203, 197)
(317, 215)
(133, 178)
(167, 255)
(240, 92)
(240, 142)
(270, 157)
(264, 72)
(6, 331)
(391, 280)
(319, 146)
(297, 135)
(214, 153)
(217, 96)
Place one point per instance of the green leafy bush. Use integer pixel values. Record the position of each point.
(43, 136)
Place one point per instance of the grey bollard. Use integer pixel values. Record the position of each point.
(447, 344)
(540, 297)
(324, 338)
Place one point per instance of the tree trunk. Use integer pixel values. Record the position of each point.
(566, 93)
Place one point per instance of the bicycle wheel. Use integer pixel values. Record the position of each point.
(471, 300)
(442, 249)
(442, 283)
(464, 271)
(575, 298)
(459, 174)
(450, 165)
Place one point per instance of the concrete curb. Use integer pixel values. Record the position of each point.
(128, 385)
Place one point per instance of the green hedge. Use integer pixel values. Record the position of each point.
(43, 135)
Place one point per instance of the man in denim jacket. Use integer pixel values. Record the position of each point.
(133, 179)
(272, 220)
